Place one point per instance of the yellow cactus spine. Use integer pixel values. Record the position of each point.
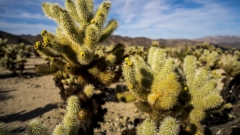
(92, 36)
(36, 128)
(3, 130)
(148, 127)
(59, 130)
(108, 30)
(89, 90)
(169, 126)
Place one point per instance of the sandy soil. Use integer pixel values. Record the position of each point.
(36, 97)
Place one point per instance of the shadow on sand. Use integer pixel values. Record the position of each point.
(4, 94)
(24, 116)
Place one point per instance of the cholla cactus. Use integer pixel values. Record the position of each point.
(36, 128)
(204, 96)
(169, 126)
(209, 59)
(14, 57)
(163, 90)
(76, 65)
(2, 45)
(3, 129)
(69, 126)
(231, 65)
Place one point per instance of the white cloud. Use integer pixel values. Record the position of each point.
(23, 15)
(159, 15)
(26, 28)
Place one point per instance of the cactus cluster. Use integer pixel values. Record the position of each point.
(162, 90)
(14, 56)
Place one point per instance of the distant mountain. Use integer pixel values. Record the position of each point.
(31, 39)
(232, 41)
(127, 41)
(142, 41)
(226, 41)
(13, 39)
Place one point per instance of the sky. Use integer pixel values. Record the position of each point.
(168, 19)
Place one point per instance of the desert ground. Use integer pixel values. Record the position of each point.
(35, 97)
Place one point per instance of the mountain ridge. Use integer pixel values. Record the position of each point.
(225, 41)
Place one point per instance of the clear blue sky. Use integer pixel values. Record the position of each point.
(138, 18)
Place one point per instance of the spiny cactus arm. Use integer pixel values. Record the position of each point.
(36, 128)
(212, 100)
(195, 126)
(50, 10)
(151, 52)
(189, 67)
(148, 127)
(129, 73)
(61, 38)
(70, 28)
(52, 41)
(3, 129)
(167, 68)
(92, 36)
(164, 94)
(201, 77)
(89, 90)
(101, 14)
(110, 59)
(205, 89)
(144, 75)
(109, 29)
(70, 119)
(60, 130)
(65, 22)
(84, 10)
(46, 7)
(156, 58)
(169, 126)
(45, 51)
(71, 8)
